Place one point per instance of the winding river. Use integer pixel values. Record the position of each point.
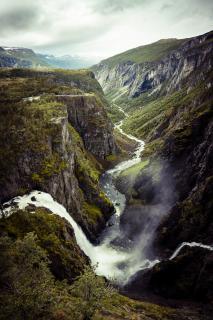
(113, 261)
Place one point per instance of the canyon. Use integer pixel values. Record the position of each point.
(136, 195)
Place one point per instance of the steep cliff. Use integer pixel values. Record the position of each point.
(42, 146)
(154, 70)
(88, 116)
(178, 132)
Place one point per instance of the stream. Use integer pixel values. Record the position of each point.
(112, 260)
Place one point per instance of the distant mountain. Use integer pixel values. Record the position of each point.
(20, 57)
(26, 58)
(66, 61)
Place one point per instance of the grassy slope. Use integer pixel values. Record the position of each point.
(153, 122)
(147, 53)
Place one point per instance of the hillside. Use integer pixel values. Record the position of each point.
(147, 53)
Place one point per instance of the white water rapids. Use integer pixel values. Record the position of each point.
(113, 262)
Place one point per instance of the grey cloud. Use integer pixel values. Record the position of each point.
(105, 27)
(166, 6)
(75, 37)
(109, 6)
(18, 19)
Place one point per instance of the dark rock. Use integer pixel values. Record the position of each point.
(89, 118)
(188, 276)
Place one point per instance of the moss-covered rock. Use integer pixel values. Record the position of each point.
(43, 147)
(55, 235)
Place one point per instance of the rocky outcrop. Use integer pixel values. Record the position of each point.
(88, 116)
(41, 149)
(158, 77)
(188, 276)
(54, 234)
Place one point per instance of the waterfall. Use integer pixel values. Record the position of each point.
(190, 244)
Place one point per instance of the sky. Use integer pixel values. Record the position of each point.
(99, 28)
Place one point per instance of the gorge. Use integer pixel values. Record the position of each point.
(121, 181)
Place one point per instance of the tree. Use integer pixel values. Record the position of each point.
(91, 292)
(28, 290)
(26, 282)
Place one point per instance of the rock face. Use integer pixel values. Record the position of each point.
(160, 76)
(89, 118)
(41, 149)
(188, 276)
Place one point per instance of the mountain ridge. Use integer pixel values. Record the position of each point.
(151, 79)
(17, 57)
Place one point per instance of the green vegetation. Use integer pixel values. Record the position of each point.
(87, 165)
(16, 84)
(93, 212)
(88, 172)
(91, 293)
(26, 129)
(27, 286)
(145, 121)
(157, 120)
(114, 113)
(121, 307)
(134, 170)
(153, 147)
(147, 53)
(54, 235)
(29, 290)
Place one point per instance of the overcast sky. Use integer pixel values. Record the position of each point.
(99, 27)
